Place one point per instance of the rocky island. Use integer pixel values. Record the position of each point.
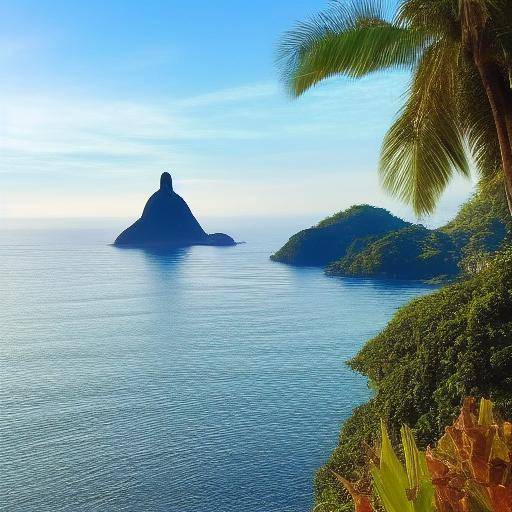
(167, 222)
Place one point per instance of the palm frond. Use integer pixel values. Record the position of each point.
(476, 120)
(353, 39)
(425, 147)
(502, 31)
(438, 18)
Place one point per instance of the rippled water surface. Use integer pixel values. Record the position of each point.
(211, 379)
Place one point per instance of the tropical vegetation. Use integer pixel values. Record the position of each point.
(459, 99)
(457, 341)
(364, 241)
(470, 468)
(453, 343)
(332, 237)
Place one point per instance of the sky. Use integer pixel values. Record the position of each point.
(97, 98)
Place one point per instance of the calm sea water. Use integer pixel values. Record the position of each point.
(211, 379)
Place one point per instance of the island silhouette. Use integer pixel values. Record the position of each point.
(167, 222)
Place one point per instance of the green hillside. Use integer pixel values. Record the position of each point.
(414, 252)
(347, 246)
(330, 238)
(453, 343)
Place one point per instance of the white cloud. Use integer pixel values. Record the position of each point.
(244, 143)
(66, 128)
(234, 94)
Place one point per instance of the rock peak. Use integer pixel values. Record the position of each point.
(167, 222)
(166, 182)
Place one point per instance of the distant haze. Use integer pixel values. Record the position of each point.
(98, 98)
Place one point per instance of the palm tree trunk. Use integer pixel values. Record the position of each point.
(476, 37)
(500, 99)
(509, 200)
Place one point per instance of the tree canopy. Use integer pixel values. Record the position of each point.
(459, 103)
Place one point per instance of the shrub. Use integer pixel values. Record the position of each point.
(470, 469)
(438, 349)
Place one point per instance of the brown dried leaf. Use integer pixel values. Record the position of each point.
(361, 501)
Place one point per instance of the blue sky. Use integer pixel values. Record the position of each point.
(97, 98)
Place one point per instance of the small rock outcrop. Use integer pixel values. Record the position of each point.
(167, 222)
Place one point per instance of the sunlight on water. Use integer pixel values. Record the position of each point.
(209, 379)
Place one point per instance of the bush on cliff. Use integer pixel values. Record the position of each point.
(452, 343)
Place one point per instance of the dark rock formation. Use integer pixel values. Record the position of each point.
(168, 222)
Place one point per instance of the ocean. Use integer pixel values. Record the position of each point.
(205, 380)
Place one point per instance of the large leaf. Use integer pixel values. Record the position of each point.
(424, 147)
(421, 490)
(390, 478)
(352, 38)
(356, 52)
(361, 501)
(472, 465)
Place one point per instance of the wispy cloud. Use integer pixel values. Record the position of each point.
(253, 132)
(94, 129)
(232, 95)
(104, 128)
(254, 128)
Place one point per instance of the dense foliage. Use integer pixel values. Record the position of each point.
(414, 252)
(469, 469)
(459, 53)
(409, 251)
(436, 350)
(482, 225)
(330, 239)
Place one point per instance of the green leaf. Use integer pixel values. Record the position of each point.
(421, 491)
(390, 478)
(353, 38)
(424, 147)
(485, 416)
(355, 53)
(412, 461)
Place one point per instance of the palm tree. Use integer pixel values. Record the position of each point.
(459, 101)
